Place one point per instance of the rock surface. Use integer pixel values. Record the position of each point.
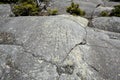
(57, 48)
(107, 23)
(5, 10)
(89, 6)
(99, 9)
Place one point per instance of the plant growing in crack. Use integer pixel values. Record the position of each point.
(66, 69)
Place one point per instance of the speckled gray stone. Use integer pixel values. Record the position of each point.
(107, 23)
(58, 48)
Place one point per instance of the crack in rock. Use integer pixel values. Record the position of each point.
(93, 67)
(81, 43)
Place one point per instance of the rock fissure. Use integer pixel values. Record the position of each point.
(81, 43)
(94, 68)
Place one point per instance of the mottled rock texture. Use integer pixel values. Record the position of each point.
(5, 10)
(89, 6)
(107, 23)
(57, 48)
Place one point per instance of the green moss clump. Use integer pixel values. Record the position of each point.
(116, 11)
(75, 10)
(26, 9)
(52, 11)
(104, 14)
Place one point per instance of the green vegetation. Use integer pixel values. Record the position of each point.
(15, 1)
(8, 1)
(26, 9)
(31, 8)
(116, 11)
(75, 10)
(28, 1)
(115, 0)
(104, 14)
(52, 11)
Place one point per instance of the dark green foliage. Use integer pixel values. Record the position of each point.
(104, 13)
(52, 11)
(115, 0)
(116, 11)
(26, 9)
(9, 1)
(15, 1)
(44, 0)
(75, 10)
(28, 1)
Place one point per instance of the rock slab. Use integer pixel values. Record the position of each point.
(57, 48)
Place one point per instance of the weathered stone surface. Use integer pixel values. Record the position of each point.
(58, 48)
(5, 10)
(16, 64)
(107, 23)
(6, 38)
(33, 41)
(87, 5)
(110, 3)
(99, 9)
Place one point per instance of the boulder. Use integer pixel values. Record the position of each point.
(107, 23)
(99, 9)
(110, 3)
(57, 48)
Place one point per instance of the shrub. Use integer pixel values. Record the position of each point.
(26, 9)
(28, 1)
(15, 1)
(9, 1)
(52, 11)
(116, 11)
(115, 0)
(75, 10)
(104, 13)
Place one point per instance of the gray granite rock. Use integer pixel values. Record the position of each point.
(87, 5)
(99, 9)
(107, 23)
(5, 10)
(58, 48)
(110, 3)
